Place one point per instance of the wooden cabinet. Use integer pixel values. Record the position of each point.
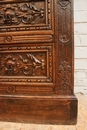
(37, 62)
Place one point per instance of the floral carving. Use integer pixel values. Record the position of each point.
(17, 64)
(30, 63)
(64, 76)
(25, 16)
(14, 14)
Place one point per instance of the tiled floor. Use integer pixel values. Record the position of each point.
(81, 125)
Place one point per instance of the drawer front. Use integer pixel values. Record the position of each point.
(23, 21)
(25, 66)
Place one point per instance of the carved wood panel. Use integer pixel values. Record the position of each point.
(18, 64)
(26, 69)
(26, 21)
(21, 14)
(36, 65)
(25, 15)
(26, 64)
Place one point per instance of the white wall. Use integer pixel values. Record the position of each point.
(80, 38)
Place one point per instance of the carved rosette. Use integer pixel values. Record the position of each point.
(64, 75)
(64, 37)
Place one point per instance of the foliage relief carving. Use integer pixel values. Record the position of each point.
(16, 64)
(25, 16)
(14, 14)
(43, 65)
(64, 76)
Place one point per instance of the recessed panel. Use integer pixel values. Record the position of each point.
(26, 64)
(25, 15)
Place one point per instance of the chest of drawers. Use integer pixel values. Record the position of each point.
(36, 61)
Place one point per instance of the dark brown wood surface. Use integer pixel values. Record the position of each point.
(37, 61)
(39, 109)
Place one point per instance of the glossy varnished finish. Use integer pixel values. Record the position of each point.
(36, 61)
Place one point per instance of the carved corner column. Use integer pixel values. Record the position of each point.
(65, 47)
(64, 38)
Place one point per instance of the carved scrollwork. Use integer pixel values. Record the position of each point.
(25, 16)
(64, 75)
(64, 3)
(12, 65)
(14, 14)
(31, 64)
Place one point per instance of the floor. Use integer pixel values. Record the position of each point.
(81, 125)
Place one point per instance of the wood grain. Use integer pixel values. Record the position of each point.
(37, 62)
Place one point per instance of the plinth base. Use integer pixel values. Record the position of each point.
(39, 109)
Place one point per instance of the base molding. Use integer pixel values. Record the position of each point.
(39, 109)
